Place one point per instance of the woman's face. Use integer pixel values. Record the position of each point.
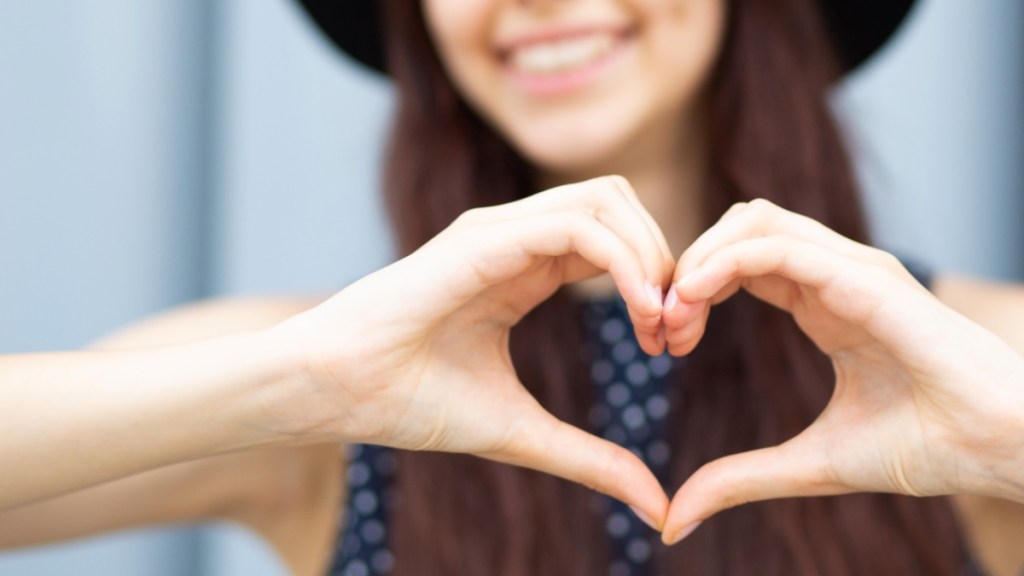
(574, 83)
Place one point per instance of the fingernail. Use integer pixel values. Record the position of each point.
(644, 518)
(672, 299)
(683, 534)
(653, 294)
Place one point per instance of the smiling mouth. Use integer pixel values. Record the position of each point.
(564, 55)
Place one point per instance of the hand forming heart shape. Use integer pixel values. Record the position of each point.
(898, 399)
(920, 394)
(435, 371)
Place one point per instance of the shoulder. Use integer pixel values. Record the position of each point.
(207, 319)
(998, 306)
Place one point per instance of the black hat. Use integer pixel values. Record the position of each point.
(858, 27)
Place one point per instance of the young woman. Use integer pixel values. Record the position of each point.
(701, 104)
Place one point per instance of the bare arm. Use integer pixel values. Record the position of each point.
(399, 337)
(994, 527)
(179, 398)
(287, 495)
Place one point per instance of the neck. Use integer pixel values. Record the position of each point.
(666, 167)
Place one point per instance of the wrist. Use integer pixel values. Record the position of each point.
(996, 455)
(229, 393)
(303, 396)
(272, 391)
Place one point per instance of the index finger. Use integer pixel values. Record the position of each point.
(549, 445)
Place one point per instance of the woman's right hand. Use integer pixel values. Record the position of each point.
(926, 402)
(415, 356)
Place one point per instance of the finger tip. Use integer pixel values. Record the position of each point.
(686, 289)
(671, 538)
(637, 487)
(681, 518)
(646, 518)
(653, 297)
(683, 313)
(650, 344)
(671, 299)
(680, 346)
(645, 348)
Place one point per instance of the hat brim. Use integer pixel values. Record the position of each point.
(858, 29)
(352, 25)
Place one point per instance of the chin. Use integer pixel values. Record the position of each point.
(579, 156)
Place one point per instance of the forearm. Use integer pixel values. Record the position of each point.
(185, 492)
(76, 419)
(998, 308)
(255, 488)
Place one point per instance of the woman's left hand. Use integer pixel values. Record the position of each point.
(416, 356)
(925, 403)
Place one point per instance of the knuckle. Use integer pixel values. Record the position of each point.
(762, 210)
(609, 194)
(761, 204)
(737, 207)
(587, 196)
(563, 190)
(470, 217)
(723, 494)
(622, 186)
(616, 464)
(581, 218)
(886, 259)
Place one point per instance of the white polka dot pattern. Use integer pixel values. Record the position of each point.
(363, 541)
(632, 403)
(631, 408)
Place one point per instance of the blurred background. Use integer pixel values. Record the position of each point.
(155, 152)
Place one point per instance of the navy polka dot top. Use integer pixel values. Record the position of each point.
(631, 404)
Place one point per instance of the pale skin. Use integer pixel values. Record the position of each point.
(663, 162)
(281, 492)
(289, 496)
(371, 364)
(920, 391)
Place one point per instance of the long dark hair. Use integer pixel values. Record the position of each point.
(754, 381)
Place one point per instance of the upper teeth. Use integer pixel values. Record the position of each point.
(561, 55)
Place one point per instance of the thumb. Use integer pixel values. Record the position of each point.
(781, 471)
(555, 447)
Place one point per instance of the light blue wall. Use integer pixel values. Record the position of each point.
(300, 132)
(938, 120)
(155, 151)
(100, 180)
(299, 139)
(100, 187)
